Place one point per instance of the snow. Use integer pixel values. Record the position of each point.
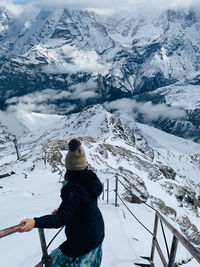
(22, 122)
(164, 141)
(186, 97)
(34, 190)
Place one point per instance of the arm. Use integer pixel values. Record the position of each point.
(70, 203)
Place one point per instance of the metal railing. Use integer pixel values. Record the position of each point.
(177, 236)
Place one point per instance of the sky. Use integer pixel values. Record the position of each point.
(101, 6)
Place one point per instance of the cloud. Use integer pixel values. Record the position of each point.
(83, 61)
(109, 7)
(72, 68)
(116, 4)
(84, 91)
(15, 8)
(44, 101)
(41, 101)
(148, 110)
(40, 97)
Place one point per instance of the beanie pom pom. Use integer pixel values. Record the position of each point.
(74, 144)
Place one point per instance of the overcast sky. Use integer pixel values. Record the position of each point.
(103, 6)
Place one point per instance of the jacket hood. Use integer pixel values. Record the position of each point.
(88, 179)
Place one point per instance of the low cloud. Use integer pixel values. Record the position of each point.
(40, 97)
(41, 102)
(44, 101)
(71, 68)
(83, 61)
(84, 91)
(148, 110)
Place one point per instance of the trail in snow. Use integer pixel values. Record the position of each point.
(120, 247)
(125, 240)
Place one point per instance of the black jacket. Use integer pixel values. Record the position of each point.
(84, 226)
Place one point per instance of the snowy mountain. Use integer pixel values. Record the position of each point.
(156, 167)
(63, 60)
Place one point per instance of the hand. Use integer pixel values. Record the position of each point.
(54, 211)
(28, 225)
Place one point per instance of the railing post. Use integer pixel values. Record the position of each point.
(173, 252)
(103, 191)
(16, 147)
(154, 238)
(107, 191)
(45, 257)
(116, 191)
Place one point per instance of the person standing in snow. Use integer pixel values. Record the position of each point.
(78, 211)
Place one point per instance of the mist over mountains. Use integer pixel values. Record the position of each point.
(63, 60)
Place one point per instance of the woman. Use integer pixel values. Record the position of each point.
(78, 211)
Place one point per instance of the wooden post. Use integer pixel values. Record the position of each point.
(103, 192)
(16, 146)
(45, 257)
(116, 191)
(107, 191)
(154, 238)
(173, 252)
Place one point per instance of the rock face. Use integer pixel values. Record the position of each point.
(136, 190)
(189, 229)
(160, 205)
(52, 150)
(185, 195)
(71, 59)
(168, 172)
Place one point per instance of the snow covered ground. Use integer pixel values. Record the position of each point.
(125, 240)
(34, 189)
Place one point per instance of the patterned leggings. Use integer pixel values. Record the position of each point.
(91, 259)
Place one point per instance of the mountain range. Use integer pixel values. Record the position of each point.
(62, 60)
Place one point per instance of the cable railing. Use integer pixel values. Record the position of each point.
(177, 236)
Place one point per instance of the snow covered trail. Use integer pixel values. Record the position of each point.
(121, 248)
(125, 239)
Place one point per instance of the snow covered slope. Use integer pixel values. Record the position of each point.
(155, 167)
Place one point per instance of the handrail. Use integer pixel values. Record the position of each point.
(177, 236)
(11, 230)
(193, 251)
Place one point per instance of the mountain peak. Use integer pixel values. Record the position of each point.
(63, 52)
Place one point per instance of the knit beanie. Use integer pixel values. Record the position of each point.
(75, 159)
